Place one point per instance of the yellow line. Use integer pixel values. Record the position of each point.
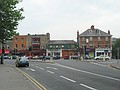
(41, 87)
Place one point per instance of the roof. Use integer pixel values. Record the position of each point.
(61, 42)
(94, 32)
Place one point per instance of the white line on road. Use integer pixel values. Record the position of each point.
(52, 68)
(99, 64)
(50, 72)
(87, 86)
(32, 69)
(41, 68)
(88, 72)
(68, 79)
(37, 66)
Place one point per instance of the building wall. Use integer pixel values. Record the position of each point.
(95, 42)
(19, 42)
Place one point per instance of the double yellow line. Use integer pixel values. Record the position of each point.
(41, 87)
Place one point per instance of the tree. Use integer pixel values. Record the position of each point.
(9, 17)
(116, 49)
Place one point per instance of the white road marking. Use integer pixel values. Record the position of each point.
(88, 72)
(99, 64)
(50, 72)
(32, 69)
(52, 68)
(87, 86)
(37, 66)
(27, 68)
(41, 68)
(68, 79)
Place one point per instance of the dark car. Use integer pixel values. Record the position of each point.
(23, 61)
(56, 57)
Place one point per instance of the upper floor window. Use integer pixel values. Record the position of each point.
(16, 46)
(56, 46)
(87, 40)
(72, 46)
(90, 31)
(91, 45)
(16, 39)
(22, 39)
(106, 38)
(91, 38)
(99, 38)
(83, 39)
(99, 45)
(22, 45)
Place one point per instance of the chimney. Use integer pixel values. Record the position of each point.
(108, 31)
(77, 33)
(92, 27)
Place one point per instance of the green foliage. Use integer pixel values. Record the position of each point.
(9, 17)
(116, 49)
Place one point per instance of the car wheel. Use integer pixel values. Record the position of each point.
(27, 65)
(17, 65)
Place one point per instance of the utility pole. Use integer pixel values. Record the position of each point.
(3, 51)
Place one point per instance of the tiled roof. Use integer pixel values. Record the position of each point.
(61, 42)
(94, 32)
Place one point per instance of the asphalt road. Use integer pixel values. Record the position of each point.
(73, 75)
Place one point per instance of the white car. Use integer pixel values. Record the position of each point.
(102, 57)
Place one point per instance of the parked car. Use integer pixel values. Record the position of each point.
(66, 57)
(74, 57)
(14, 57)
(23, 61)
(56, 57)
(29, 57)
(102, 57)
(47, 57)
(6, 57)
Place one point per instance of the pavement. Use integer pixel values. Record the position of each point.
(11, 79)
(116, 66)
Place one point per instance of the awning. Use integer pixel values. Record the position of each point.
(6, 51)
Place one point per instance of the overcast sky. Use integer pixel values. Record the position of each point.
(62, 18)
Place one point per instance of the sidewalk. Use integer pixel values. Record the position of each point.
(10, 79)
(116, 66)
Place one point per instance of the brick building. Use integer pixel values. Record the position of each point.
(94, 42)
(37, 43)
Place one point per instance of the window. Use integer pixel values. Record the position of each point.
(22, 45)
(16, 46)
(50, 46)
(98, 38)
(90, 31)
(106, 38)
(83, 39)
(90, 38)
(99, 45)
(72, 46)
(91, 45)
(16, 39)
(87, 40)
(22, 39)
(56, 46)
